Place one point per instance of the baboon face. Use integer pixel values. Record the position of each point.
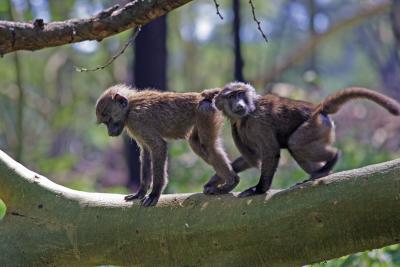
(236, 100)
(112, 110)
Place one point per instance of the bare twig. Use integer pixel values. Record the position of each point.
(253, 10)
(113, 58)
(217, 8)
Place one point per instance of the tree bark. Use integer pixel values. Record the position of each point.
(49, 225)
(37, 35)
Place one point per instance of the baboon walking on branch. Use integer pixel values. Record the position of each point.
(151, 117)
(262, 125)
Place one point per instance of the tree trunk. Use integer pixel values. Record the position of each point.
(237, 42)
(49, 225)
(150, 70)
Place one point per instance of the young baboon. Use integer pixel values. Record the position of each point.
(151, 117)
(262, 125)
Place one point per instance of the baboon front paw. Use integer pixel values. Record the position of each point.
(212, 190)
(227, 187)
(213, 187)
(139, 195)
(251, 192)
(150, 200)
(209, 189)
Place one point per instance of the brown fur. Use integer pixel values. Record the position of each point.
(151, 117)
(262, 125)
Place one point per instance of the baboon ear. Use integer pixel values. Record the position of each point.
(226, 91)
(121, 100)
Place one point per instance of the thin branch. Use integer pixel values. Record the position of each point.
(113, 58)
(217, 8)
(253, 10)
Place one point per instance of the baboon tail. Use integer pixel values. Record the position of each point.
(333, 103)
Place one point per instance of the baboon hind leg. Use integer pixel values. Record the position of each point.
(201, 151)
(311, 146)
(318, 169)
(238, 165)
(197, 146)
(206, 143)
(212, 152)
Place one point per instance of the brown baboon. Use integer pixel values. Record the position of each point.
(262, 125)
(151, 117)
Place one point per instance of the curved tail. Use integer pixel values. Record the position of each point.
(333, 103)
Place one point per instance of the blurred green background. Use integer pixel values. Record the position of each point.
(47, 118)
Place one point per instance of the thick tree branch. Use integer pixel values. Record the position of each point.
(50, 225)
(37, 35)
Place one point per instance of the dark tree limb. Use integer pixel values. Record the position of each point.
(239, 63)
(49, 225)
(37, 35)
